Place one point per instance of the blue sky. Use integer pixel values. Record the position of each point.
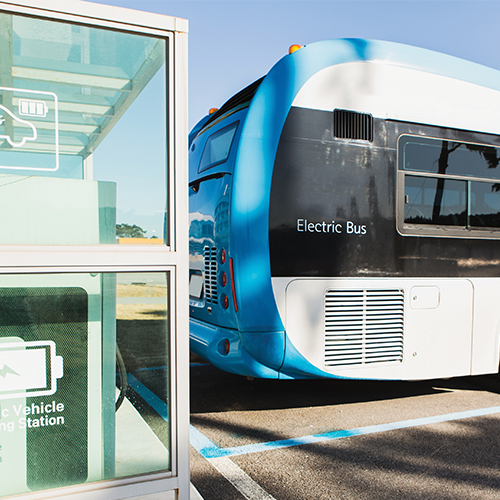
(232, 43)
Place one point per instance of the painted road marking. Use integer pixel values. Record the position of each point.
(240, 479)
(219, 457)
(209, 451)
(153, 368)
(236, 476)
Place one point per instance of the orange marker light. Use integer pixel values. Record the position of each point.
(294, 48)
(211, 111)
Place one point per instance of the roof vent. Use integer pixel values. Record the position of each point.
(352, 125)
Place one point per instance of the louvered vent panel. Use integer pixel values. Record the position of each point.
(363, 327)
(352, 125)
(210, 255)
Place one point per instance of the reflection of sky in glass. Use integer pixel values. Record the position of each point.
(103, 52)
(105, 98)
(422, 197)
(133, 155)
(484, 199)
(93, 72)
(217, 147)
(462, 159)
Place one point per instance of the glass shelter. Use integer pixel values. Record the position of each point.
(93, 252)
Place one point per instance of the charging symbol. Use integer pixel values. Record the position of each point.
(6, 370)
(29, 369)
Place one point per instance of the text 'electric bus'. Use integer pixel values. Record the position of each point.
(345, 218)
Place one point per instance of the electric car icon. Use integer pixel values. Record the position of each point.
(24, 123)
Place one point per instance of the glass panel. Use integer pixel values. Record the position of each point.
(79, 106)
(435, 201)
(453, 158)
(142, 430)
(84, 363)
(485, 204)
(218, 147)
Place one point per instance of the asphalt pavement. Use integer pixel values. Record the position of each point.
(343, 439)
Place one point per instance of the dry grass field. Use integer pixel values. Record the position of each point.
(142, 328)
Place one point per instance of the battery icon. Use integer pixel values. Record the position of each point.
(32, 108)
(29, 369)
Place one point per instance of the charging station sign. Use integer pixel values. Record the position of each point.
(44, 384)
(27, 370)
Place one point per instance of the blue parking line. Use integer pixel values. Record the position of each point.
(209, 449)
(158, 405)
(153, 368)
(360, 431)
(203, 445)
(200, 442)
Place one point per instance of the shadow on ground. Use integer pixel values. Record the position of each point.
(213, 390)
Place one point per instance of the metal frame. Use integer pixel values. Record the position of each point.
(113, 258)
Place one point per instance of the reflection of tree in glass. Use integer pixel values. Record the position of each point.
(489, 153)
(127, 231)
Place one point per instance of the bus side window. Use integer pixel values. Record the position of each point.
(218, 147)
(485, 204)
(450, 183)
(435, 201)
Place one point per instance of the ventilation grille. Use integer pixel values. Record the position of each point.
(210, 255)
(363, 327)
(352, 125)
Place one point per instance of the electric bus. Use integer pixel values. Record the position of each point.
(345, 218)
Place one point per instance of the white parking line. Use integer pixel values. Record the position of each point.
(236, 476)
(240, 479)
(219, 457)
